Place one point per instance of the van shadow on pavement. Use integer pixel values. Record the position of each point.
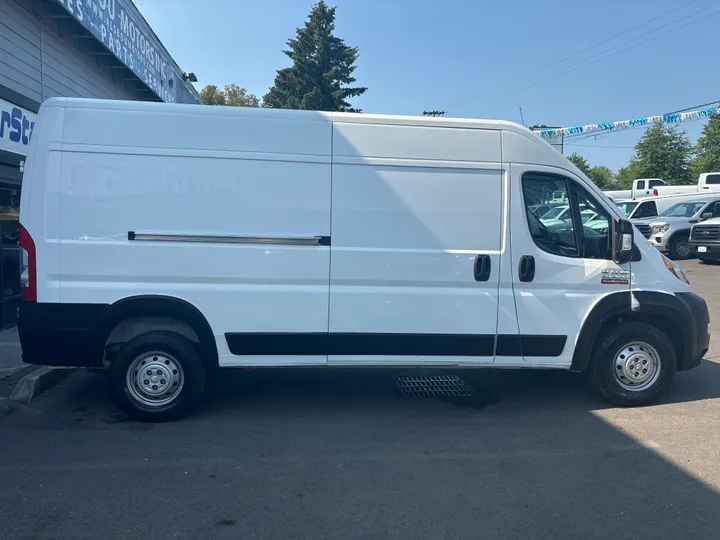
(341, 454)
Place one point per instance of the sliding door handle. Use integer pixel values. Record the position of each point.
(483, 267)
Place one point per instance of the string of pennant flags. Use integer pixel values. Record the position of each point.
(674, 118)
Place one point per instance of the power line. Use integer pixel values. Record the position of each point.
(502, 88)
(582, 63)
(508, 87)
(696, 107)
(597, 145)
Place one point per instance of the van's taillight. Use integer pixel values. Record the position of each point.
(28, 269)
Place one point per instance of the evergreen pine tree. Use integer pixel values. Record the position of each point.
(321, 71)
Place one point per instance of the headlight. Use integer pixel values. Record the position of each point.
(661, 228)
(675, 269)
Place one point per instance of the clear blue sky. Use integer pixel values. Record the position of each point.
(459, 55)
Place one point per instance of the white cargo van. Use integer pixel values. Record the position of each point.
(169, 240)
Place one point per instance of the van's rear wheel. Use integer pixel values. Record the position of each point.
(157, 376)
(633, 364)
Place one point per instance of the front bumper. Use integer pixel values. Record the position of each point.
(697, 343)
(658, 243)
(61, 334)
(712, 248)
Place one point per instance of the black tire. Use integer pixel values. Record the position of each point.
(178, 349)
(679, 247)
(611, 344)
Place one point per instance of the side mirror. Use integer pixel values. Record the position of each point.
(706, 215)
(622, 241)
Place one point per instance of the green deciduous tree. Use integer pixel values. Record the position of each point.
(580, 162)
(662, 152)
(708, 149)
(321, 71)
(601, 176)
(232, 96)
(212, 96)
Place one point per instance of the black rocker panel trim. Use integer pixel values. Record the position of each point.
(355, 344)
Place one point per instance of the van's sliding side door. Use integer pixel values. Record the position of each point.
(416, 246)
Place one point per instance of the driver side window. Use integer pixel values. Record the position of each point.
(576, 225)
(552, 231)
(716, 210)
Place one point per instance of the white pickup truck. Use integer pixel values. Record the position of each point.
(642, 187)
(708, 182)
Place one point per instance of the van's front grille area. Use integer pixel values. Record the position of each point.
(644, 229)
(706, 232)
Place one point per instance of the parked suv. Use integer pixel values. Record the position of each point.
(670, 231)
(705, 240)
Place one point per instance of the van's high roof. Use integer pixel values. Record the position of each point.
(306, 116)
(215, 129)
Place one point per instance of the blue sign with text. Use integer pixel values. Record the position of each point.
(16, 127)
(121, 28)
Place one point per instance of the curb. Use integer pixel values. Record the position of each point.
(33, 384)
(6, 373)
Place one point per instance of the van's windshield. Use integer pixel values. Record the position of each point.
(685, 209)
(626, 207)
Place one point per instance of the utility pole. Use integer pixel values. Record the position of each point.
(434, 113)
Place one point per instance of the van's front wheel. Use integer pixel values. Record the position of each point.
(157, 376)
(633, 364)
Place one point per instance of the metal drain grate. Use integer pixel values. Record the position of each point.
(435, 385)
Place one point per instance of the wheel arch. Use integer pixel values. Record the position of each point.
(682, 232)
(661, 310)
(153, 306)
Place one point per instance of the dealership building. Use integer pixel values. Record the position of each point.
(72, 48)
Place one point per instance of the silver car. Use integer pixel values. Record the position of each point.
(670, 231)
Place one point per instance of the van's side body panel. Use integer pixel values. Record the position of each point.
(245, 182)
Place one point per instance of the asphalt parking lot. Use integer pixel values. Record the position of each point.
(329, 454)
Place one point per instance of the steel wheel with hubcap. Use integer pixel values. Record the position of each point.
(637, 366)
(157, 376)
(633, 363)
(155, 379)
